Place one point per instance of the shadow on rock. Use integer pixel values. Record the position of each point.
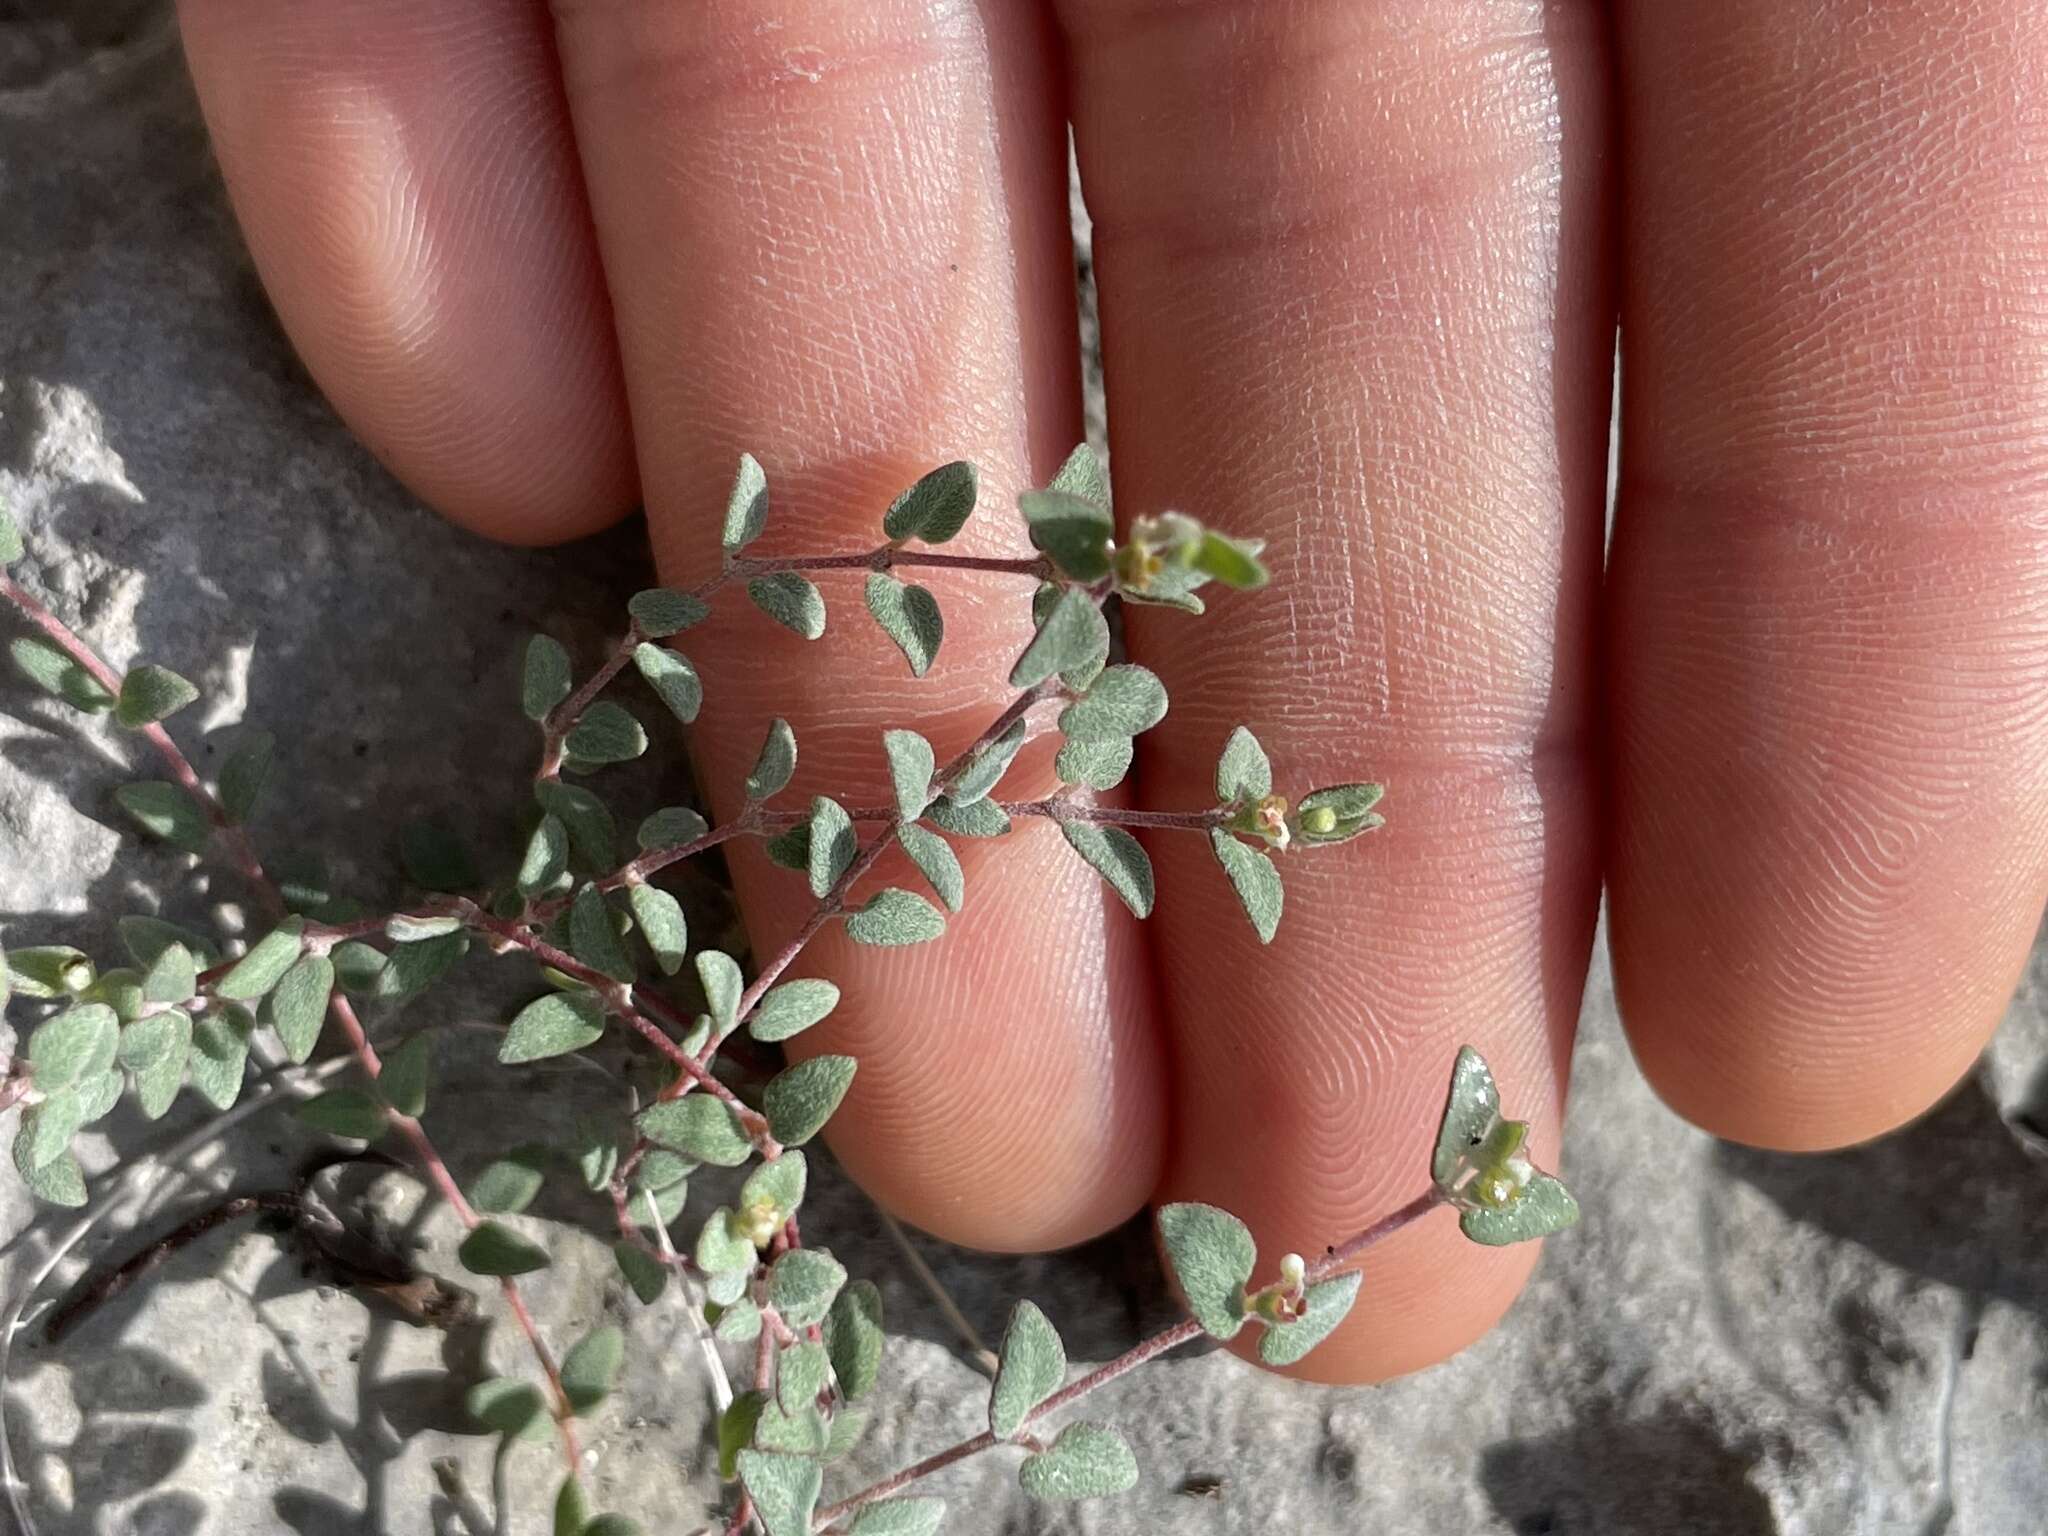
(1644, 1477)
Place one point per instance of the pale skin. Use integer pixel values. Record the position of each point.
(1360, 263)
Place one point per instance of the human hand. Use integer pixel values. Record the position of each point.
(1359, 268)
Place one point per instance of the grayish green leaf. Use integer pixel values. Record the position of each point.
(1116, 856)
(776, 764)
(791, 600)
(908, 615)
(719, 975)
(507, 1407)
(1324, 1307)
(1255, 880)
(545, 679)
(699, 1126)
(553, 1025)
(1338, 814)
(145, 938)
(899, 1517)
(1033, 1365)
(746, 507)
(150, 694)
(416, 966)
(58, 1182)
(937, 507)
(590, 1368)
(1212, 1255)
(572, 1509)
(594, 936)
(1087, 1461)
(854, 1337)
(1243, 773)
(1234, 562)
(220, 1055)
(509, 1184)
(775, 1189)
(263, 967)
(51, 670)
(1122, 702)
(802, 1284)
(800, 1374)
(154, 1050)
(1070, 635)
(245, 774)
(407, 1075)
(792, 1008)
(833, 846)
(800, 1099)
(75, 1044)
(936, 861)
(10, 539)
(346, 1112)
(546, 859)
(1470, 1110)
(1071, 529)
(894, 917)
(784, 1490)
(494, 1249)
(58, 970)
(987, 767)
(725, 1289)
(606, 734)
(911, 765)
(47, 1129)
(673, 678)
(1081, 475)
(1096, 764)
(736, 1430)
(1544, 1206)
(673, 827)
(978, 818)
(645, 1273)
(97, 1094)
(843, 1433)
(592, 835)
(662, 611)
(298, 1004)
(662, 925)
(739, 1323)
(165, 811)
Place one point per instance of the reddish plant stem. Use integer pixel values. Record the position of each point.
(1054, 808)
(562, 719)
(890, 557)
(1172, 1338)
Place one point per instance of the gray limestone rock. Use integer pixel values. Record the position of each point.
(1853, 1343)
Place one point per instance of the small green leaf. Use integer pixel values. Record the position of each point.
(1255, 880)
(914, 1516)
(1470, 1111)
(146, 937)
(1544, 1206)
(1087, 1461)
(746, 507)
(1243, 773)
(844, 1432)
(553, 1025)
(408, 1074)
(791, 600)
(572, 1509)
(1071, 529)
(508, 1185)
(792, 1008)
(1033, 1364)
(911, 765)
(150, 694)
(121, 990)
(1069, 636)
(346, 1112)
(220, 1056)
(800, 1375)
(1339, 813)
(263, 967)
(414, 966)
(164, 811)
(739, 1323)
(613, 1525)
(494, 1249)
(672, 677)
(47, 1129)
(546, 679)
(10, 539)
(594, 937)
(721, 1246)
(736, 1430)
(986, 769)
(1081, 475)
(645, 1274)
(937, 507)
(1212, 1255)
(936, 861)
(58, 1182)
(1095, 764)
(245, 774)
(77, 1043)
(854, 1337)
(154, 1050)
(57, 674)
(800, 1099)
(606, 734)
(1324, 1307)
(1234, 562)
(720, 977)
(58, 970)
(834, 844)
(774, 1191)
(776, 765)
(546, 859)
(1123, 702)
(908, 615)
(784, 1490)
(699, 1126)
(979, 818)
(661, 611)
(298, 1004)
(673, 827)
(506, 1406)
(802, 1284)
(894, 917)
(662, 925)
(589, 1369)
(1116, 856)
(592, 835)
